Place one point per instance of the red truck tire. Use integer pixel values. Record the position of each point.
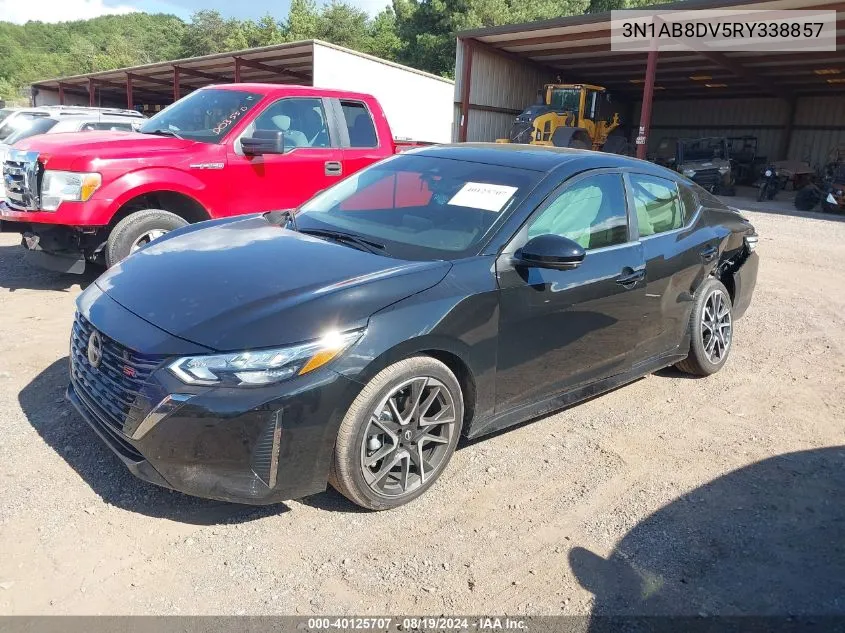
(138, 229)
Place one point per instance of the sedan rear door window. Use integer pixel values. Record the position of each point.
(657, 203)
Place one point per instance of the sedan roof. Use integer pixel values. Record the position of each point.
(533, 157)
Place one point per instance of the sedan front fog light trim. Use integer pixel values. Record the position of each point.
(166, 407)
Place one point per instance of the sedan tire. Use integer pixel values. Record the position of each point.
(711, 330)
(399, 434)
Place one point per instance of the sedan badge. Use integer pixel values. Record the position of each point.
(95, 349)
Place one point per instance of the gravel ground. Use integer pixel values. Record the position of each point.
(627, 503)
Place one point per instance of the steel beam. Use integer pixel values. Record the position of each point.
(768, 87)
(152, 80)
(786, 134)
(249, 63)
(466, 81)
(648, 97)
(190, 72)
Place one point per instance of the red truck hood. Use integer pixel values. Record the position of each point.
(73, 150)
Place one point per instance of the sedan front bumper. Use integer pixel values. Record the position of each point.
(259, 447)
(255, 445)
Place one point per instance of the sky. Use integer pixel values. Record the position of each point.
(20, 11)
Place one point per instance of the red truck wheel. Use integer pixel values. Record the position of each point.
(138, 229)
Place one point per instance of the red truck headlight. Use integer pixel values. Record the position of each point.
(61, 186)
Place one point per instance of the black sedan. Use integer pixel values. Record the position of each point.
(446, 291)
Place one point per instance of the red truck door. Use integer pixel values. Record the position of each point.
(369, 139)
(311, 161)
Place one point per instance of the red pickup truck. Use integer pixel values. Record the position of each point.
(220, 151)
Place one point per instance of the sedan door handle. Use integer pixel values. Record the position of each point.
(709, 253)
(333, 168)
(626, 278)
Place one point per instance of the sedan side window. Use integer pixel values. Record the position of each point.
(591, 212)
(657, 203)
(689, 201)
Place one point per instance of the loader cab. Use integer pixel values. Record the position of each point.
(583, 101)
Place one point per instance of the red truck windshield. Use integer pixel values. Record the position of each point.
(205, 115)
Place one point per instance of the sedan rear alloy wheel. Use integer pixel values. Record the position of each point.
(399, 434)
(407, 437)
(711, 330)
(716, 326)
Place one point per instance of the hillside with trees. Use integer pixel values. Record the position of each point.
(419, 33)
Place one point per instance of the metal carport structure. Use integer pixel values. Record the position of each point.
(499, 69)
(163, 82)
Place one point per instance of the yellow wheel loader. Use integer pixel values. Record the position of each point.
(570, 115)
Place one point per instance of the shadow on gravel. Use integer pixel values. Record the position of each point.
(674, 372)
(43, 403)
(764, 540)
(16, 273)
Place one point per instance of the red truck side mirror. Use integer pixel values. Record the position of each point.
(264, 142)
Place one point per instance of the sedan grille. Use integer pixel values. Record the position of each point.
(111, 391)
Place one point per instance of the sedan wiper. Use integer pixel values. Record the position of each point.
(161, 132)
(347, 238)
(284, 218)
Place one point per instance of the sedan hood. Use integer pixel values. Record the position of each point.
(247, 283)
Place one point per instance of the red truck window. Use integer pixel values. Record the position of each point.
(301, 119)
(397, 190)
(359, 122)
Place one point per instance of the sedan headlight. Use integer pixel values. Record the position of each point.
(264, 366)
(724, 169)
(60, 186)
(689, 173)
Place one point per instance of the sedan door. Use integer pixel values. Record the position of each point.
(559, 329)
(679, 252)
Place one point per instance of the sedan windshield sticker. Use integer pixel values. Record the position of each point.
(481, 195)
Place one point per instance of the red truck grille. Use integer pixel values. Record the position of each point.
(22, 175)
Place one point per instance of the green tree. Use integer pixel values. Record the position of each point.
(303, 21)
(384, 40)
(206, 33)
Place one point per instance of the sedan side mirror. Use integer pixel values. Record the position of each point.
(264, 142)
(550, 251)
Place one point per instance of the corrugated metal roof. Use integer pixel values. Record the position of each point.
(291, 63)
(579, 48)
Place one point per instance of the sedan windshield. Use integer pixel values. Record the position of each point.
(205, 115)
(419, 207)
